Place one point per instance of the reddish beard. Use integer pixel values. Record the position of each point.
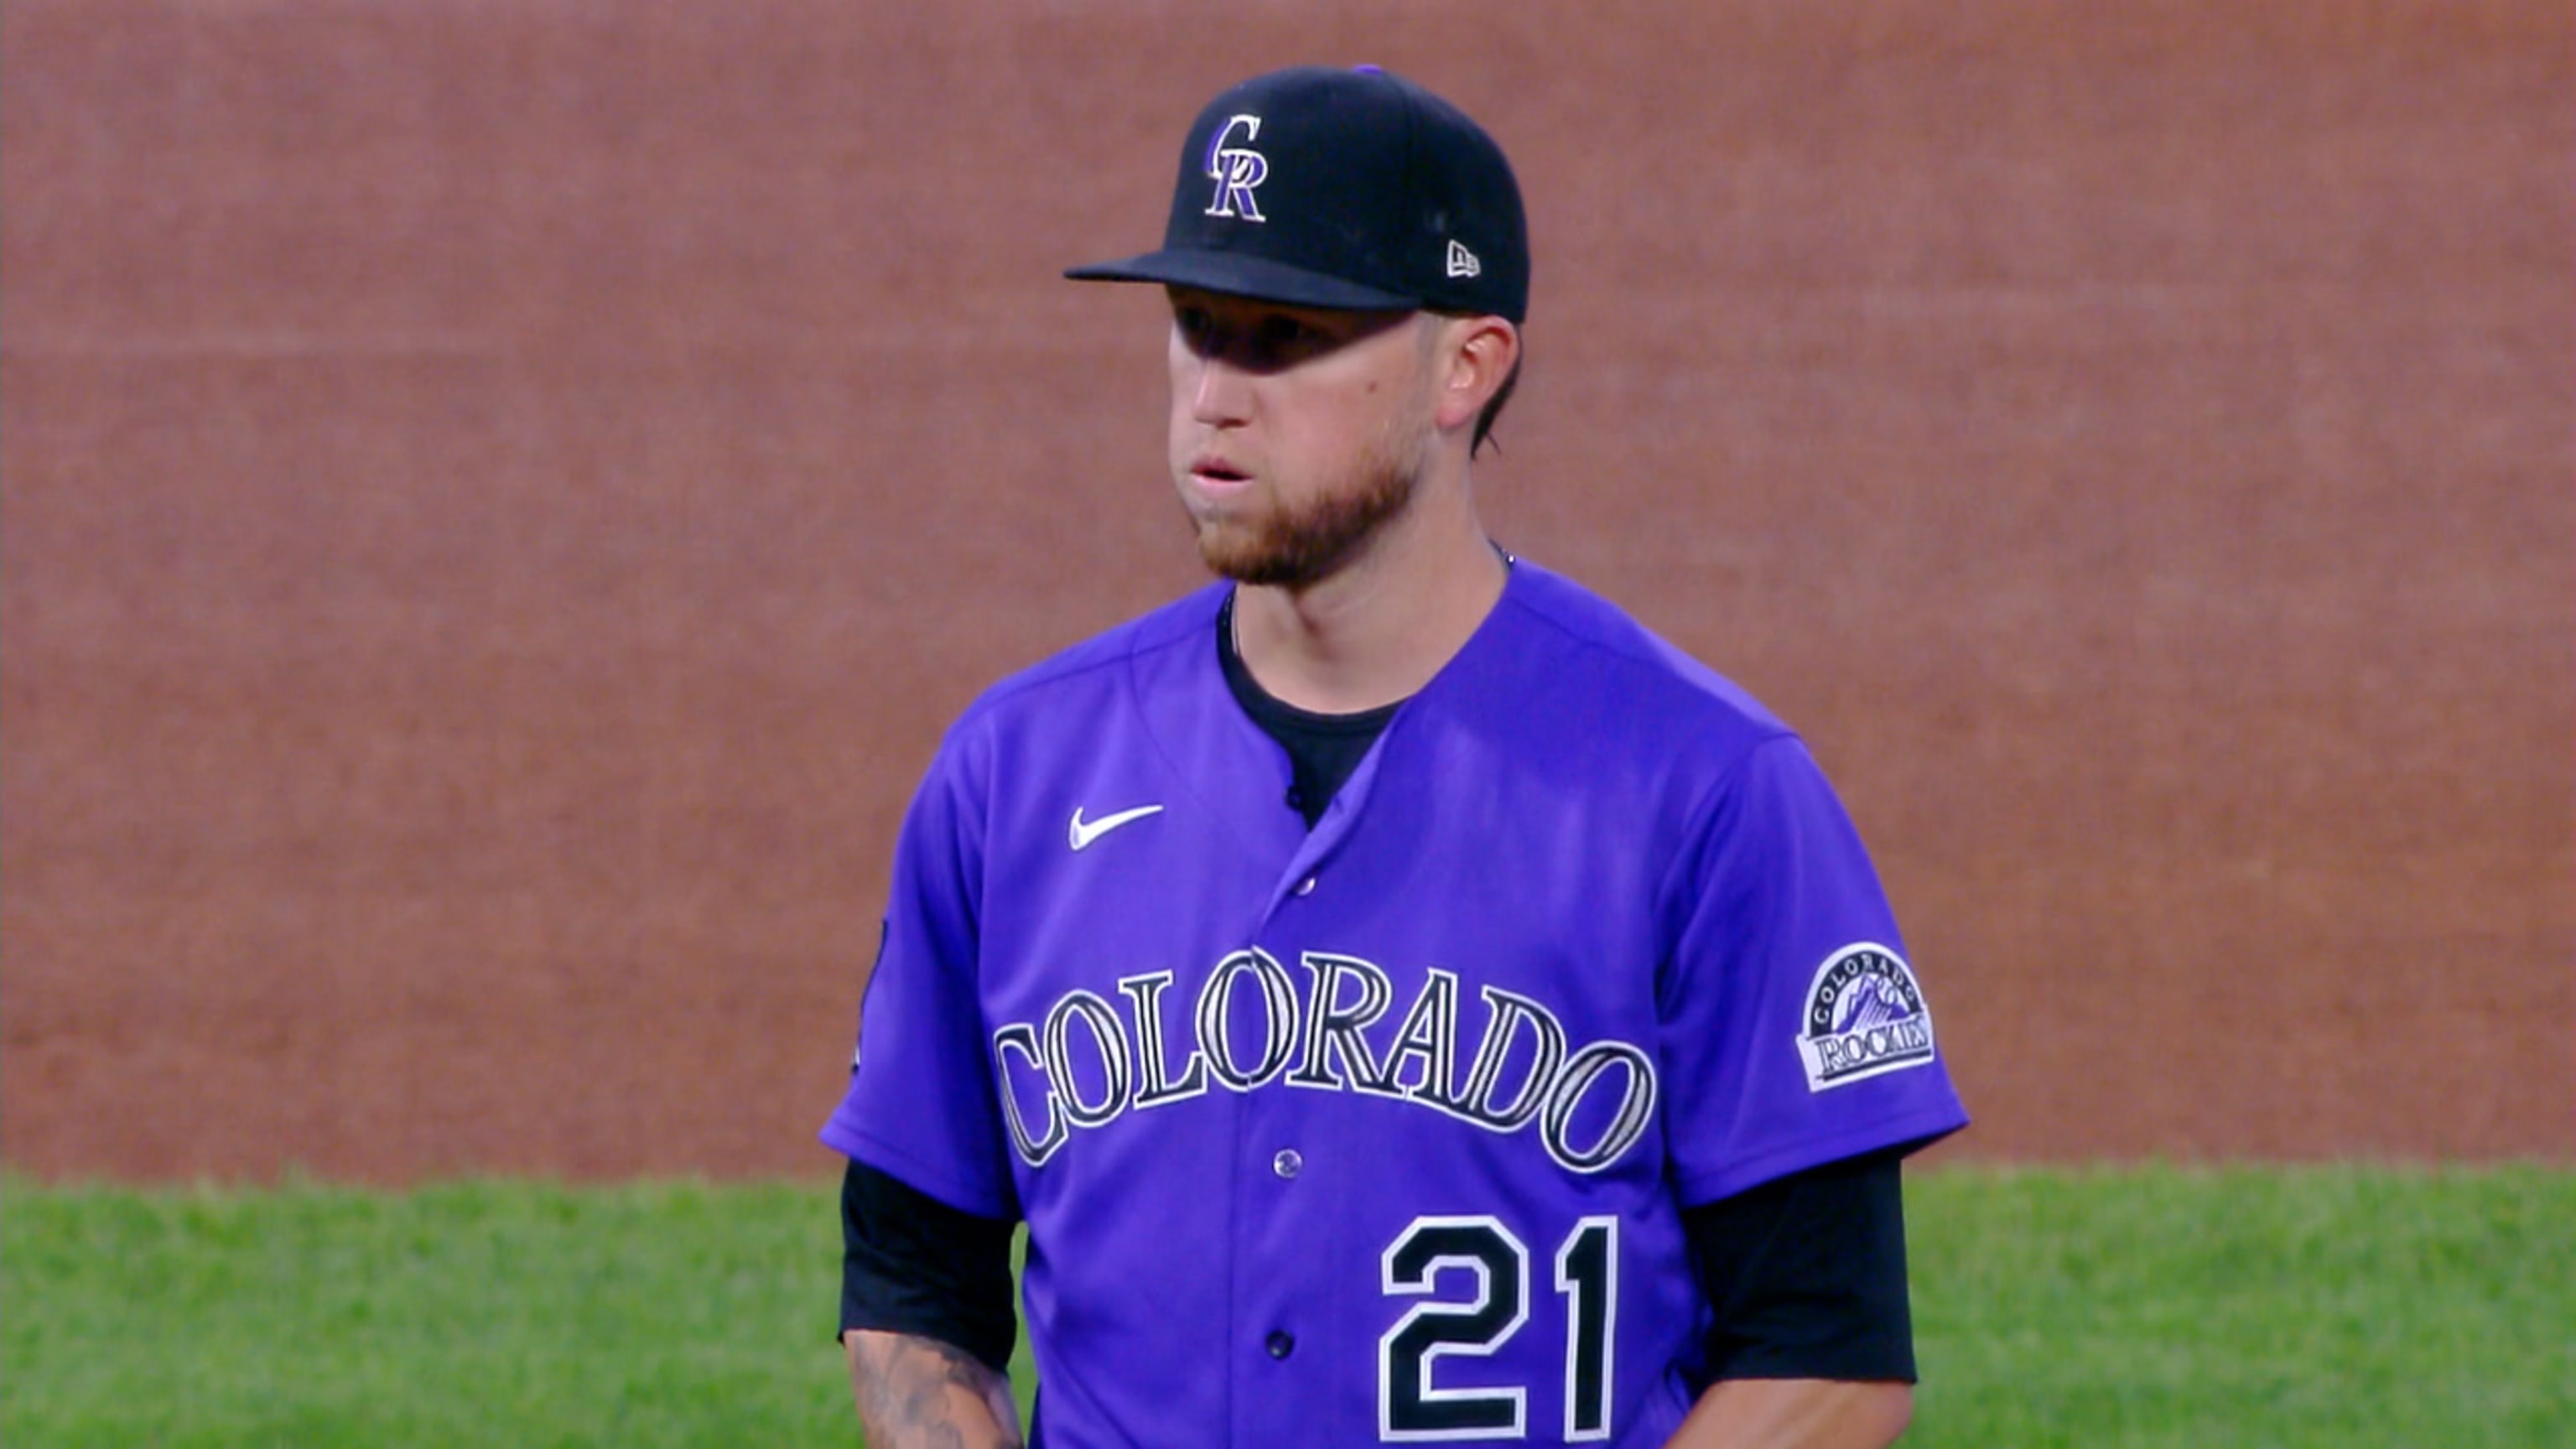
(1294, 547)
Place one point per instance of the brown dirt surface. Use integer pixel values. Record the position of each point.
(501, 500)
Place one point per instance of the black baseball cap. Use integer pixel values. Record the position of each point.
(1351, 189)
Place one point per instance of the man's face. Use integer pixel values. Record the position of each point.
(1296, 433)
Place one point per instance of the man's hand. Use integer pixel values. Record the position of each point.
(919, 1393)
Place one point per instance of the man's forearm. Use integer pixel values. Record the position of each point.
(919, 1393)
(1796, 1414)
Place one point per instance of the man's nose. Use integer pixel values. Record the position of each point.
(1222, 391)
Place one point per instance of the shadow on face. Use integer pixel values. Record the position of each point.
(1264, 337)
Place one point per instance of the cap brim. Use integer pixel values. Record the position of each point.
(1238, 275)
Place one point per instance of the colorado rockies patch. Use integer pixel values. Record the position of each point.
(1865, 1016)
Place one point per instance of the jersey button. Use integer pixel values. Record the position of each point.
(1287, 1162)
(1306, 887)
(1281, 1344)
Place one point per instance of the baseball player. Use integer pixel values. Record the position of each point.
(1405, 999)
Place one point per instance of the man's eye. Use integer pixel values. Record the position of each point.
(1279, 334)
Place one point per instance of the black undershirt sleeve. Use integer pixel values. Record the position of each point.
(912, 1264)
(1806, 1275)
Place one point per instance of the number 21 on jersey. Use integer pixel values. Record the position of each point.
(1409, 1407)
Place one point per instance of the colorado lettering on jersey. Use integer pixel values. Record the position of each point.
(1256, 1025)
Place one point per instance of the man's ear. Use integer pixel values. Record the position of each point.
(1477, 357)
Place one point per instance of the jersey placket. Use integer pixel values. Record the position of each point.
(1289, 1349)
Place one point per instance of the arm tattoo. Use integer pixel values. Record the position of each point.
(904, 1386)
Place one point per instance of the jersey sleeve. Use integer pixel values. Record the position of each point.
(921, 1103)
(1794, 1030)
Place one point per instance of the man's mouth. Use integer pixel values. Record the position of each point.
(1217, 472)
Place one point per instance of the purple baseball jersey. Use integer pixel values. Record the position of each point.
(1380, 1132)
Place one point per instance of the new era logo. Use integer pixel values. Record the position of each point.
(1462, 262)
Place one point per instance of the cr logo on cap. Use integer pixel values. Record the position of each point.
(1236, 170)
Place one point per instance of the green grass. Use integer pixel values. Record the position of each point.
(2136, 1306)
(477, 1313)
(2316, 1306)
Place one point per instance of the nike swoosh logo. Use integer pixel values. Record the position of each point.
(1082, 832)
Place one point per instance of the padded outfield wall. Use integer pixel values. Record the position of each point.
(501, 497)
